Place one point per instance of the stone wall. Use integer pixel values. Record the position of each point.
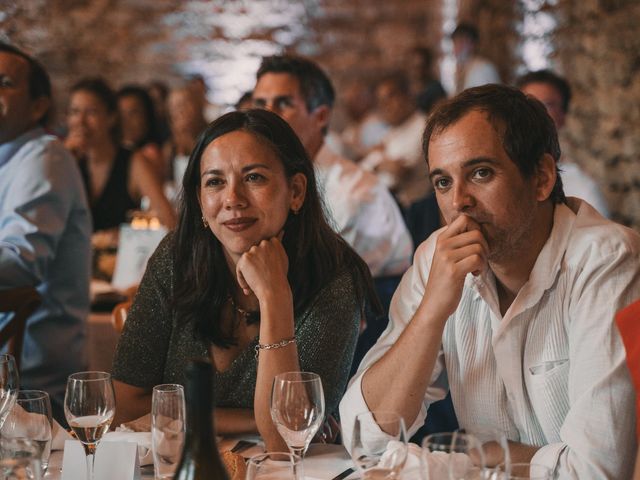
(594, 45)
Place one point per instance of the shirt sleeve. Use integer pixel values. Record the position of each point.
(141, 353)
(34, 213)
(327, 337)
(598, 432)
(404, 304)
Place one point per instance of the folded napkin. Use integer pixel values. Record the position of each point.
(143, 439)
(436, 463)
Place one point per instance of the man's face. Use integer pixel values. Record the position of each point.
(550, 98)
(17, 109)
(392, 105)
(473, 175)
(280, 93)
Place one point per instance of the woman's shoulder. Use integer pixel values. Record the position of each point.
(162, 258)
(340, 289)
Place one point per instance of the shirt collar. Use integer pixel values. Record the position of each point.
(9, 149)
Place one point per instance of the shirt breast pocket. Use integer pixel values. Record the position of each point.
(548, 389)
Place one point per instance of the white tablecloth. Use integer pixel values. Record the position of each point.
(323, 462)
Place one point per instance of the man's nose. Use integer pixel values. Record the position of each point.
(462, 198)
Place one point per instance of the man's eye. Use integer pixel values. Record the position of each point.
(441, 183)
(482, 173)
(6, 82)
(283, 103)
(259, 103)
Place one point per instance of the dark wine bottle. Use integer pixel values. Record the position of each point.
(200, 458)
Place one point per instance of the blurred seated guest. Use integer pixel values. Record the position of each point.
(234, 279)
(555, 94)
(511, 306)
(365, 128)
(397, 160)
(245, 102)
(45, 229)
(115, 179)
(472, 70)
(360, 208)
(424, 82)
(138, 125)
(198, 86)
(158, 91)
(186, 121)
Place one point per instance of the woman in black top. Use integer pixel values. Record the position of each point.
(115, 179)
(252, 263)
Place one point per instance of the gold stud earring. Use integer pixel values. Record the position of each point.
(205, 224)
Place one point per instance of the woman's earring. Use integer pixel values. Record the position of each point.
(295, 211)
(205, 224)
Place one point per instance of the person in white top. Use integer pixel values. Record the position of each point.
(472, 70)
(397, 160)
(363, 211)
(511, 305)
(555, 94)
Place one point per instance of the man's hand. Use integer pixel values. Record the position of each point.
(460, 249)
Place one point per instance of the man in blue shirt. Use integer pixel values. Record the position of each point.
(45, 228)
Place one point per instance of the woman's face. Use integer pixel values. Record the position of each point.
(244, 193)
(133, 119)
(88, 118)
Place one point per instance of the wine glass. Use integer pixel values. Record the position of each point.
(167, 428)
(89, 406)
(495, 445)
(275, 466)
(456, 456)
(9, 384)
(379, 444)
(27, 428)
(297, 408)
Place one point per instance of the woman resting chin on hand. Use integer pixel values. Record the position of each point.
(253, 262)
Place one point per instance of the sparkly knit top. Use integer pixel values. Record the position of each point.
(154, 349)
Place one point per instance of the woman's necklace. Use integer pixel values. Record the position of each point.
(250, 317)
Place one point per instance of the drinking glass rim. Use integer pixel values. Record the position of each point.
(313, 376)
(263, 456)
(164, 387)
(40, 394)
(76, 377)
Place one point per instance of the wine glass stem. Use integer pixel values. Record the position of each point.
(299, 451)
(90, 451)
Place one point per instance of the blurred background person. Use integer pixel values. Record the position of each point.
(555, 94)
(138, 125)
(472, 70)
(159, 92)
(197, 84)
(245, 102)
(397, 160)
(114, 177)
(424, 80)
(186, 120)
(365, 128)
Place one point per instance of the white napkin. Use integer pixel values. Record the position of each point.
(143, 439)
(437, 462)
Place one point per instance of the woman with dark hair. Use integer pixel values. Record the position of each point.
(115, 178)
(253, 274)
(138, 125)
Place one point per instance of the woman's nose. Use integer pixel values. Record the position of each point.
(235, 196)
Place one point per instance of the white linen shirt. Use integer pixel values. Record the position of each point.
(551, 372)
(364, 213)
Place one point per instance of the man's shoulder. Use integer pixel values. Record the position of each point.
(43, 149)
(594, 234)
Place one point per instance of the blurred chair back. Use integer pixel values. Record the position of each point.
(22, 301)
(119, 315)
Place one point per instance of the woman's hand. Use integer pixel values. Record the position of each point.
(262, 270)
(76, 142)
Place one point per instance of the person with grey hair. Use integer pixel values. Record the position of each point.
(511, 305)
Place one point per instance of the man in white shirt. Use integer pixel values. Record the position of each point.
(511, 305)
(397, 160)
(555, 94)
(362, 210)
(472, 70)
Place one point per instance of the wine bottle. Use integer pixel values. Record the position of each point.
(200, 458)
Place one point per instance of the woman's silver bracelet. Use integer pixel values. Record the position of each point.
(271, 346)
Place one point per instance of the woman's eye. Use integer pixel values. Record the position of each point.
(254, 177)
(213, 182)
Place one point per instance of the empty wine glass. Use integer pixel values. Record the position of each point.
(495, 445)
(89, 406)
(275, 466)
(379, 444)
(9, 384)
(27, 428)
(297, 408)
(456, 456)
(167, 428)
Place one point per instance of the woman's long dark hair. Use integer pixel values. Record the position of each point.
(203, 283)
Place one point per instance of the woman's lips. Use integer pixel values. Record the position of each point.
(239, 224)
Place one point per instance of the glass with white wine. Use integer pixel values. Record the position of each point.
(89, 406)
